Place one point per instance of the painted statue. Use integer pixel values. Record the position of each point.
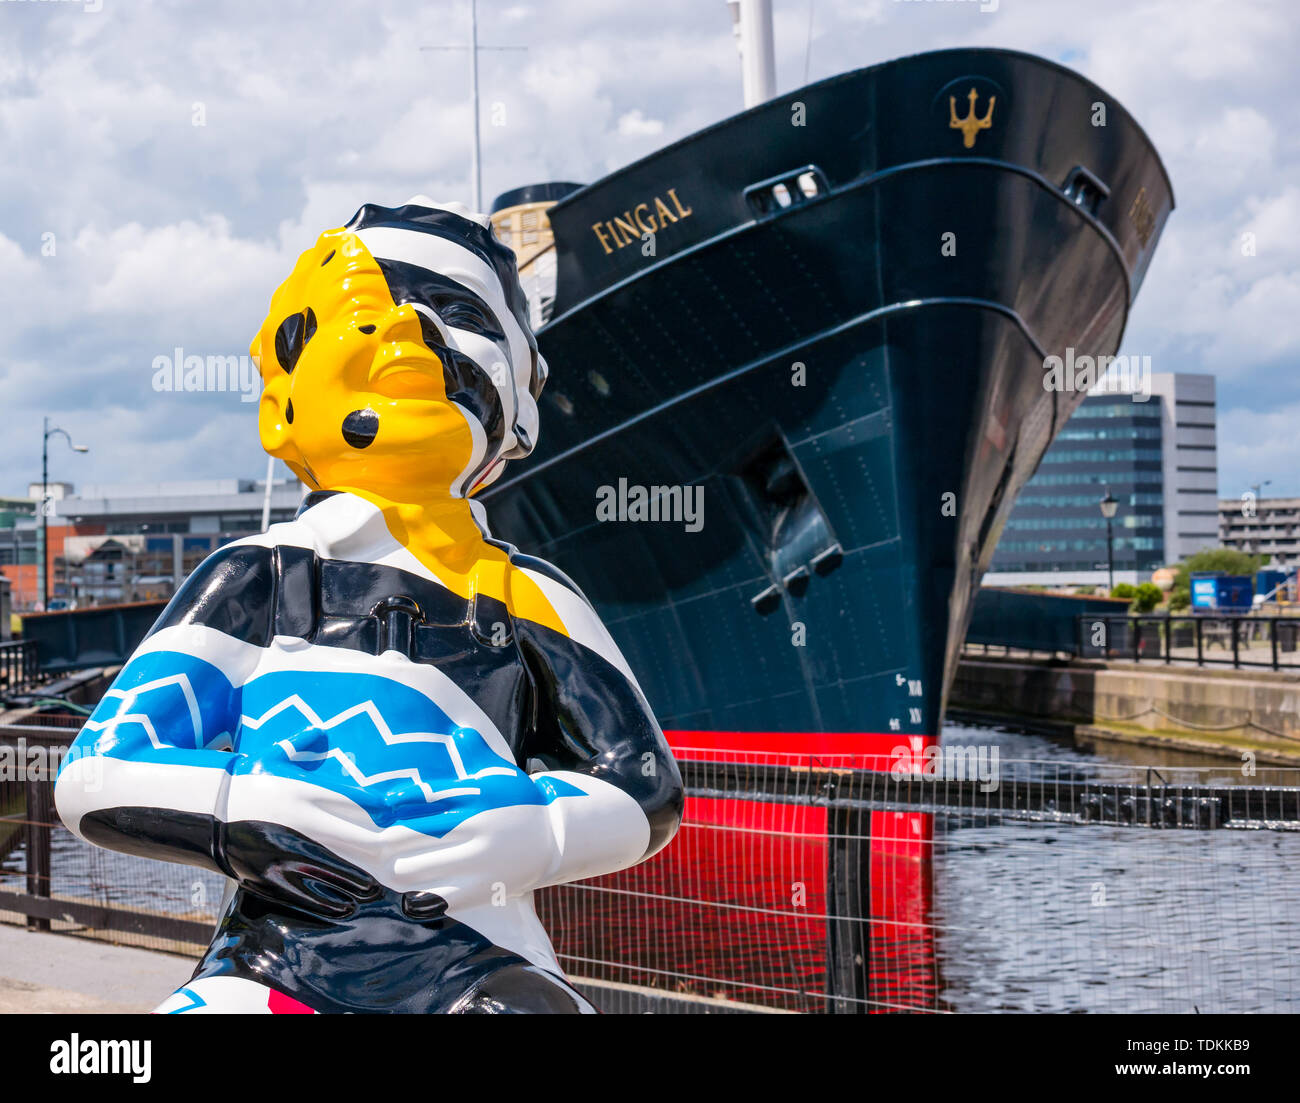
(385, 727)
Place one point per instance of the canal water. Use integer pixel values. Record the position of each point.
(1057, 917)
(1014, 916)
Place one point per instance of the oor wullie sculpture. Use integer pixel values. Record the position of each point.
(385, 727)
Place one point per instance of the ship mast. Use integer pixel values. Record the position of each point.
(752, 24)
(476, 163)
(476, 158)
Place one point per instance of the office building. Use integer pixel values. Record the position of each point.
(1155, 452)
(111, 543)
(1263, 526)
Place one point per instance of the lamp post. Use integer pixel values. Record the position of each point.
(1109, 505)
(45, 505)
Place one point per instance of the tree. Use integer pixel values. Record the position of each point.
(1147, 597)
(1225, 560)
(1124, 589)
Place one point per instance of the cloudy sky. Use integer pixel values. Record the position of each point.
(164, 161)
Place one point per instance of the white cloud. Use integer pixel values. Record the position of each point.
(1259, 444)
(636, 125)
(182, 268)
(171, 234)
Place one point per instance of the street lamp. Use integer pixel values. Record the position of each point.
(45, 505)
(1109, 505)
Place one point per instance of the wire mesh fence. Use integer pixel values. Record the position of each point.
(129, 900)
(50, 880)
(1049, 887)
(845, 885)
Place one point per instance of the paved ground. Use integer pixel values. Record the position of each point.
(42, 973)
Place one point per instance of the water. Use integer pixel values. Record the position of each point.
(1053, 917)
(120, 880)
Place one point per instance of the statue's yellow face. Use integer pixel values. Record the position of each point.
(353, 396)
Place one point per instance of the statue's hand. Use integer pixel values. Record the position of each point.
(284, 866)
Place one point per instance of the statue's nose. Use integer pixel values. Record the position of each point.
(405, 323)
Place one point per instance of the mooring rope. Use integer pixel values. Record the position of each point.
(1249, 722)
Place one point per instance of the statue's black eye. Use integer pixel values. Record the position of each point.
(463, 316)
(469, 313)
(294, 332)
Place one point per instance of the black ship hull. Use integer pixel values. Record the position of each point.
(854, 381)
(827, 322)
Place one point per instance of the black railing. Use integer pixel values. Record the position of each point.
(102, 635)
(29, 823)
(19, 670)
(1149, 803)
(1236, 641)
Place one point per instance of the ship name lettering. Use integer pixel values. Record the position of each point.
(648, 217)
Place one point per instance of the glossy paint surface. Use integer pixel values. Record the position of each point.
(853, 381)
(384, 726)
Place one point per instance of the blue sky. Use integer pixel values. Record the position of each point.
(127, 231)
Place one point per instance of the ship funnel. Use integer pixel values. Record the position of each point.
(520, 221)
(752, 23)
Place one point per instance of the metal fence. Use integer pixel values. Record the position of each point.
(1050, 887)
(51, 880)
(18, 667)
(801, 884)
(1237, 641)
(100, 635)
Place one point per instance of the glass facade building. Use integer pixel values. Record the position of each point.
(1111, 442)
(1156, 452)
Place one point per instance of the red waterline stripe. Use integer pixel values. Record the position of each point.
(861, 750)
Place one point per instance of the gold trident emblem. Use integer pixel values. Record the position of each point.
(970, 125)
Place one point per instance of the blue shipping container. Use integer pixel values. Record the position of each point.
(1222, 593)
(1268, 580)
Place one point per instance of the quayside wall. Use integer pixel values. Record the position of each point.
(1219, 711)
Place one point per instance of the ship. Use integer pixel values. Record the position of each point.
(800, 370)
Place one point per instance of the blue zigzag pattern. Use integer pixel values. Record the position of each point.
(382, 744)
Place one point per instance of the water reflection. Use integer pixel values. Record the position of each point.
(1055, 917)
